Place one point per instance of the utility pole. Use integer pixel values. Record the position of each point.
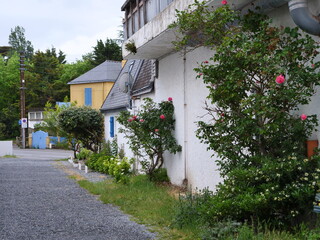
(24, 122)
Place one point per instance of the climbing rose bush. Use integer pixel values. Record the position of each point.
(150, 133)
(261, 75)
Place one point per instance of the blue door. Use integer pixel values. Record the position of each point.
(39, 140)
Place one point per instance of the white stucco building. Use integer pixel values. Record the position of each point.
(146, 24)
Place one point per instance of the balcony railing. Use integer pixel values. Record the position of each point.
(140, 12)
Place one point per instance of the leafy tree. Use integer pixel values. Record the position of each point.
(108, 50)
(50, 122)
(51, 125)
(9, 97)
(42, 80)
(53, 53)
(84, 124)
(150, 133)
(71, 71)
(258, 77)
(18, 42)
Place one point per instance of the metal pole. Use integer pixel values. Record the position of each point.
(22, 99)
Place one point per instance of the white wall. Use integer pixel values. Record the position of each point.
(5, 148)
(177, 79)
(122, 141)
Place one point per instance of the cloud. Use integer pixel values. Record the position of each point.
(82, 44)
(73, 26)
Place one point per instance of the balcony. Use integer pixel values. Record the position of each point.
(146, 24)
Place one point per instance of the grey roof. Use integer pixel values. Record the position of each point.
(144, 81)
(116, 99)
(107, 71)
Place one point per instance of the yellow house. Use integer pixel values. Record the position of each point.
(92, 87)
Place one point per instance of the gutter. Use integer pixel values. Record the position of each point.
(299, 12)
(302, 17)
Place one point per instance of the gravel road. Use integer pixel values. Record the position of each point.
(38, 201)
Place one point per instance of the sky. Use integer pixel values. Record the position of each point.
(73, 26)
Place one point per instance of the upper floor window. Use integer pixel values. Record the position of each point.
(35, 116)
(139, 12)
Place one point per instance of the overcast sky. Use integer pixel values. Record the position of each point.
(73, 26)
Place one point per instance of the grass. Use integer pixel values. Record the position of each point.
(148, 203)
(9, 156)
(155, 206)
(62, 160)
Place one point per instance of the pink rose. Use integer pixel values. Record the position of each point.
(134, 117)
(156, 130)
(141, 120)
(200, 74)
(313, 65)
(162, 116)
(303, 117)
(205, 62)
(130, 120)
(280, 79)
(224, 2)
(170, 99)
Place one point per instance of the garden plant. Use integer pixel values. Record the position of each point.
(150, 133)
(259, 77)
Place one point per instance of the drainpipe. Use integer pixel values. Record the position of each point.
(303, 18)
(299, 12)
(185, 113)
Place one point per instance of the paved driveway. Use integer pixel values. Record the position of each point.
(38, 201)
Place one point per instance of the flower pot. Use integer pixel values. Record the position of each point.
(311, 146)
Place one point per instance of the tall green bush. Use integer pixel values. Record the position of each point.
(150, 132)
(84, 124)
(258, 78)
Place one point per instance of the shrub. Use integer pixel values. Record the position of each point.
(114, 166)
(160, 175)
(258, 78)
(150, 133)
(84, 124)
(84, 154)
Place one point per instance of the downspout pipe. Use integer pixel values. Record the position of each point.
(299, 12)
(301, 16)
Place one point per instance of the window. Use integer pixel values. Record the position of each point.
(111, 126)
(35, 116)
(88, 96)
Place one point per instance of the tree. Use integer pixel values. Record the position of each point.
(258, 77)
(19, 42)
(42, 80)
(84, 124)
(9, 97)
(108, 50)
(150, 133)
(51, 125)
(53, 53)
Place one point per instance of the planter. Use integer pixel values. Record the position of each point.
(311, 146)
(75, 164)
(81, 166)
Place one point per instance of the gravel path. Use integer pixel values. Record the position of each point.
(38, 201)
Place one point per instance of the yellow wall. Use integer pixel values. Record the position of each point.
(99, 93)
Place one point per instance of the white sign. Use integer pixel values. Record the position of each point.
(24, 122)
